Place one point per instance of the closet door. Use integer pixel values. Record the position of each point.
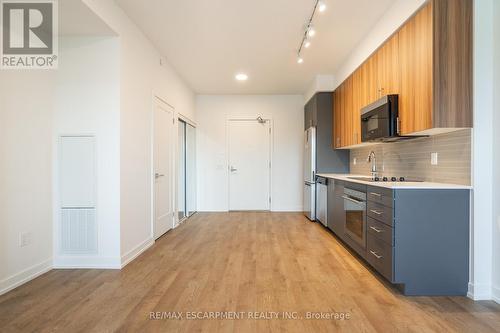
(190, 170)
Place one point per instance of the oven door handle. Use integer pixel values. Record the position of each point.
(353, 200)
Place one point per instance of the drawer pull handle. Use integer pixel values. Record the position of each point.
(376, 212)
(376, 194)
(376, 255)
(376, 230)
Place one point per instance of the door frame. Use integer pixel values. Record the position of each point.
(228, 157)
(173, 168)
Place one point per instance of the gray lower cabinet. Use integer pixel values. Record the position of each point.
(336, 217)
(417, 239)
(431, 235)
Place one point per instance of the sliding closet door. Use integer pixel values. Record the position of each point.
(187, 170)
(190, 169)
(181, 195)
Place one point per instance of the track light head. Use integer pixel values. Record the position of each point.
(321, 6)
(311, 31)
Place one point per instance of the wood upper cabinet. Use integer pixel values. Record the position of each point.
(415, 55)
(359, 100)
(452, 64)
(389, 68)
(344, 114)
(337, 119)
(371, 84)
(435, 51)
(428, 63)
(347, 108)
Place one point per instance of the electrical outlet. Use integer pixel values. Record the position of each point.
(434, 158)
(355, 161)
(25, 239)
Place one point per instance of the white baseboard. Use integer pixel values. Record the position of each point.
(288, 209)
(27, 275)
(86, 262)
(136, 251)
(496, 294)
(479, 292)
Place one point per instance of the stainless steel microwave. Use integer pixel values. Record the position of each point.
(379, 120)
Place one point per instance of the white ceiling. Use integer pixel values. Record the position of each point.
(209, 41)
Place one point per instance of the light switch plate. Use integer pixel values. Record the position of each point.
(355, 161)
(434, 158)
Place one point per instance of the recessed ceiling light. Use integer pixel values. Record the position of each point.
(300, 60)
(321, 6)
(241, 77)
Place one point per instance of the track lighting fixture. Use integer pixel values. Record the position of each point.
(310, 32)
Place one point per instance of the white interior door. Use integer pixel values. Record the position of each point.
(249, 165)
(163, 168)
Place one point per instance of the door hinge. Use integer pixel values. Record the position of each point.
(173, 121)
(269, 199)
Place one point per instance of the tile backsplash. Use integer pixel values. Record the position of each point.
(412, 158)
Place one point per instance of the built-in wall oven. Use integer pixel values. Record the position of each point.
(355, 216)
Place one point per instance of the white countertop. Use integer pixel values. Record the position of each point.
(395, 185)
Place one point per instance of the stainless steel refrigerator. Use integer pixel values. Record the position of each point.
(310, 173)
(319, 155)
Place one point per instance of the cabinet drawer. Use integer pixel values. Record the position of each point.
(379, 255)
(380, 213)
(380, 195)
(380, 231)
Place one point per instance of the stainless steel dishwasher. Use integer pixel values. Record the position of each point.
(322, 200)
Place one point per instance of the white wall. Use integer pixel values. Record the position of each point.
(481, 229)
(87, 102)
(142, 75)
(397, 14)
(496, 151)
(25, 174)
(320, 83)
(287, 114)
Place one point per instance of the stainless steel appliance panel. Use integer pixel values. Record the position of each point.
(310, 200)
(355, 216)
(322, 200)
(310, 155)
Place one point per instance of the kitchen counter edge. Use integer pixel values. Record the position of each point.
(396, 185)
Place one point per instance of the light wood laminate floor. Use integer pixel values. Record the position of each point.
(241, 262)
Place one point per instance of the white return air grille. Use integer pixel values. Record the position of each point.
(78, 231)
(77, 178)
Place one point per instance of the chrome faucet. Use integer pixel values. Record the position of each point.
(373, 160)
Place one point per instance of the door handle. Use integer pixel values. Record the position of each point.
(376, 212)
(376, 230)
(376, 194)
(351, 199)
(233, 169)
(158, 175)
